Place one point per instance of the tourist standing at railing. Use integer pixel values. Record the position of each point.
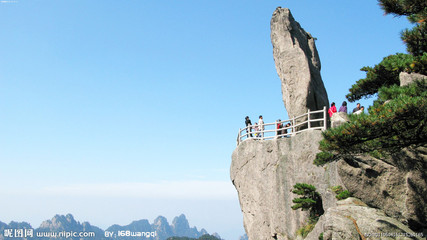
(261, 125)
(248, 126)
(256, 128)
(343, 107)
(279, 128)
(285, 131)
(332, 109)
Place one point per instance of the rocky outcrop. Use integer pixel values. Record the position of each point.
(407, 78)
(339, 118)
(352, 219)
(398, 184)
(264, 173)
(297, 64)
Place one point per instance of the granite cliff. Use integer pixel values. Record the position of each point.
(389, 199)
(264, 172)
(389, 195)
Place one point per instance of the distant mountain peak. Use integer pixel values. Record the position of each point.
(160, 220)
(180, 227)
(70, 218)
(180, 222)
(60, 222)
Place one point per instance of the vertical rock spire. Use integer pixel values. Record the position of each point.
(297, 64)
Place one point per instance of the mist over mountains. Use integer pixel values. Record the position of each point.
(67, 227)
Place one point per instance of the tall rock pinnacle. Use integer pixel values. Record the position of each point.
(297, 64)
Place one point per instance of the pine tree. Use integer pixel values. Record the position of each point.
(309, 200)
(386, 73)
(398, 117)
(416, 12)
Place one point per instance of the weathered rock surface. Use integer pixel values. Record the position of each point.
(352, 218)
(264, 173)
(339, 118)
(297, 64)
(407, 78)
(398, 185)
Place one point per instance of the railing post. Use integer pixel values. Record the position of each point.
(261, 129)
(325, 124)
(309, 125)
(275, 127)
(293, 126)
(238, 136)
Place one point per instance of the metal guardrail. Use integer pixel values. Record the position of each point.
(298, 124)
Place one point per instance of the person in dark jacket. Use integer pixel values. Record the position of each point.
(343, 107)
(357, 108)
(279, 126)
(285, 131)
(248, 123)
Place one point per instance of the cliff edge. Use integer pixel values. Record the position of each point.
(264, 172)
(389, 199)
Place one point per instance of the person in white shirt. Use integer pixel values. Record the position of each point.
(362, 108)
(261, 125)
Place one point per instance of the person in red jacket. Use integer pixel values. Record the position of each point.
(332, 109)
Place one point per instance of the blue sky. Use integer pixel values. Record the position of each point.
(121, 110)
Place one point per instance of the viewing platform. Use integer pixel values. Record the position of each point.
(312, 120)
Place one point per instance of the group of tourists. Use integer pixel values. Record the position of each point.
(282, 130)
(357, 110)
(259, 127)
